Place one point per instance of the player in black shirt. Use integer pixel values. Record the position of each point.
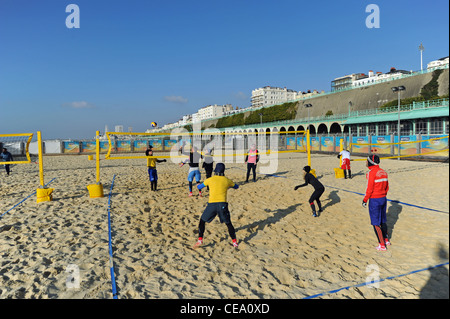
(318, 189)
(208, 163)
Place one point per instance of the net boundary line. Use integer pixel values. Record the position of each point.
(24, 199)
(376, 281)
(110, 250)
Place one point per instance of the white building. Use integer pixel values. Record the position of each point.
(302, 95)
(438, 63)
(212, 111)
(373, 77)
(346, 81)
(118, 128)
(186, 119)
(195, 118)
(269, 95)
(235, 111)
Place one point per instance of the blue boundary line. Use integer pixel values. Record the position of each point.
(390, 200)
(380, 280)
(111, 263)
(24, 199)
(274, 175)
(373, 282)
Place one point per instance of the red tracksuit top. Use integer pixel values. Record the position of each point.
(377, 183)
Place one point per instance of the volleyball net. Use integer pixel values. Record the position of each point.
(17, 147)
(408, 147)
(220, 145)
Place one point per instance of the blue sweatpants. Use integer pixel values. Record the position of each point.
(152, 174)
(377, 210)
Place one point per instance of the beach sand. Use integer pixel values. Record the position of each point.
(284, 252)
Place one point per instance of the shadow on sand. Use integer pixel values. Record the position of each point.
(257, 226)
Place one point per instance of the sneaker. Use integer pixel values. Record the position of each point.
(198, 244)
(235, 244)
(200, 194)
(387, 242)
(314, 214)
(190, 194)
(381, 248)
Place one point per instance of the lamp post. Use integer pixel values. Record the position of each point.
(260, 117)
(398, 89)
(308, 106)
(421, 49)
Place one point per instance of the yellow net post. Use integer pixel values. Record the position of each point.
(97, 154)
(41, 164)
(339, 172)
(308, 151)
(308, 147)
(96, 190)
(43, 194)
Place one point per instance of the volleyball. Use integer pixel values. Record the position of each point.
(154, 124)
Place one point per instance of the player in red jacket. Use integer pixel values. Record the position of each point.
(377, 189)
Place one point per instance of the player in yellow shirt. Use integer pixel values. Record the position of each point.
(217, 204)
(151, 164)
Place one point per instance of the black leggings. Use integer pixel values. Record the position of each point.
(251, 166)
(315, 197)
(201, 229)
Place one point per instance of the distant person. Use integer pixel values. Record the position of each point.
(217, 204)
(252, 159)
(345, 163)
(151, 164)
(318, 189)
(194, 171)
(376, 192)
(208, 163)
(6, 157)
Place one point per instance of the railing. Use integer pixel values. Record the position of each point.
(345, 116)
(407, 107)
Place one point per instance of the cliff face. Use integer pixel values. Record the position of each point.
(363, 98)
(370, 97)
(444, 83)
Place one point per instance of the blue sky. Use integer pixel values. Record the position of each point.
(133, 62)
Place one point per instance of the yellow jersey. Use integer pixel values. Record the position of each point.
(218, 188)
(151, 162)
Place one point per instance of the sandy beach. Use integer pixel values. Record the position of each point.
(284, 252)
